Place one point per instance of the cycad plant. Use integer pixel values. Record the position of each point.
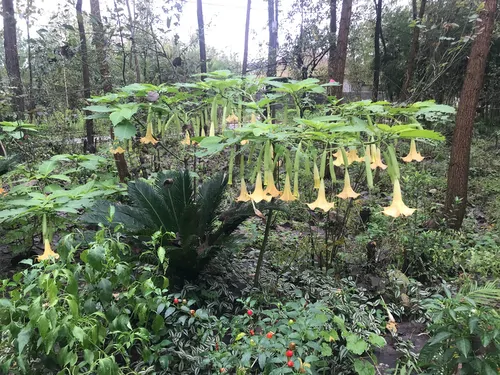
(171, 204)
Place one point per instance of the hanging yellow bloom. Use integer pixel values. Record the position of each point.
(271, 187)
(253, 119)
(258, 193)
(187, 139)
(369, 153)
(377, 163)
(118, 150)
(347, 192)
(339, 160)
(149, 135)
(397, 207)
(316, 176)
(232, 119)
(413, 154)
(244, 196)
(244, 142)
(48, 252)
(321, 201)
(287, 195)
(212, 129)
(352, 156)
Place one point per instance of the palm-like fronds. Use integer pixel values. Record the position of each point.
(487, 294)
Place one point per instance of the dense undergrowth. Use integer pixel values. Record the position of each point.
(167, 274)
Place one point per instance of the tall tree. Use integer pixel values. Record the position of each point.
(376, 57)
(201, 37)
(272, 11)
(12, 56)
(27, 17)
(100, 45)
(332, 39)
(458, 169)
(244, 67)
(412, 55)
(340, 54)
(133, 42)
(89, 123)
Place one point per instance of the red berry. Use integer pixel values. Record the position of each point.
(222, 370)
(289, 353)
(290, 364)
(176, 300)
(250, 312)
(192, 312)
(270, 335)
(252, 332)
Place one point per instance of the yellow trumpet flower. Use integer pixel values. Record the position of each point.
(321, 201)
(118, 150)
(232, 119)
(339, 160)
(352, 156)
(377, 160)
(187, 139)
(287, 195)
(258, 193)
(48, 252)
(148, 138)
(244, 196)
(397, 207)
(271, 187)
(316, 176)
(413, 154)
(212, 129)
(347, 192)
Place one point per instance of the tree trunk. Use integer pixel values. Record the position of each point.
(133, 45)
(244, 68)
(100, 46)
(201, 38)
(458, 169)
(412, 56)
(89, 123)
(272, 7)
(376, 59)
(124, 55)
(340, 54)
(31, 104)
(12, 56)
(332, 41)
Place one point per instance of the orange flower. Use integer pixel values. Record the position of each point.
(48, 252)
(258, 193)
(347, 192)
(149, 136)
(287, 195)
(413, 154)
(397, 207)
(321, 201)
(244, 196)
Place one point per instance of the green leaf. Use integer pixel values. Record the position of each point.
(23, 338)
(61, 177)
(326, 350)
(441, 336)
(363, 367)
(107, 366)
(161, 254)
(262, 360)
(95, 257)
(99, 108)
(464, 346)
(43, 325)
(78, 333)
(106, 290)
(355, 344)
(125, 130)
(88, 356)
(158, 324)
(422, 133)
(5, 304)
(376, 340)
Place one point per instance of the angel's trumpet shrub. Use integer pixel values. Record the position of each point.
(258, 193)
(413, 154)
(244, 196)
(348, 192)
(321, 201)
(352, 156)
(397, 207)
(47, 252)
(377, 160)
(148, 138)
(287, 195)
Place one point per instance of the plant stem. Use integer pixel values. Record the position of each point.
(263, 248)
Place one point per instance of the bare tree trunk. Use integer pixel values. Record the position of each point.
(272, 7)
(100, 45)
(412, 56)
(31, 104)
(244, 68)
(458, 169)
(376, 59)
(332, 40)
(340, 54)
(89, 123)
(124, 55)
(133, 46)
(201, 38)
(12, 56)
